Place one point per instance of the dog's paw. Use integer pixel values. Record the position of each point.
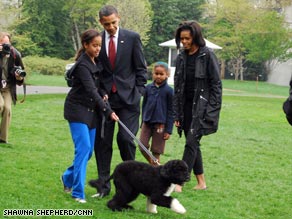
(128, 207)
(151, 208)
(177, 207)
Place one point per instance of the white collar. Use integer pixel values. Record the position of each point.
(107, 35)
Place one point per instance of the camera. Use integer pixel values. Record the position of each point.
(5, 49)
(18, 70)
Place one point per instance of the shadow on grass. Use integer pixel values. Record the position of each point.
(6, 145)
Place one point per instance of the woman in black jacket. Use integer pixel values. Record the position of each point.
(287, 105)
(197, 95)
(83, 105)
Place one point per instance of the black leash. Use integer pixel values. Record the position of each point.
(139, 142)
(172, 186)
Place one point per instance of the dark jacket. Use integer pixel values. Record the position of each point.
(83, 102)
(130, 69)
(14, 60)
(208, 92)
(287, 105)
(157, 105)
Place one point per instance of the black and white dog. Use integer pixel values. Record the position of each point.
(132, 178)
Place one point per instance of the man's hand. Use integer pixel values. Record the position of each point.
(177, 123)
(166, 136)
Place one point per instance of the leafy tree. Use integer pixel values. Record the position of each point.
(224, 26)
(275, 5)
(83, 15)
(167, 15)
(46, 24)
(268, 39)
(9, 11)
(135, 15)
(53, 27)
(247, 33)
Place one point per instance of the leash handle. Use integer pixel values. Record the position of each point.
(155, 160)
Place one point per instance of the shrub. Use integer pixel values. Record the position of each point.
(149, 71)
(45, 65)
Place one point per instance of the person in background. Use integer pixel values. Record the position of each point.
(287, 105)
(10, 77)
(197, 95)
(82, 106)
(123, 82)
(157, 112)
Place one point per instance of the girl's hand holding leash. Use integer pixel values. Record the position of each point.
(114, 117)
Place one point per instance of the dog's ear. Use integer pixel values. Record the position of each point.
(176, 171)
(169, 168)
(164, 172)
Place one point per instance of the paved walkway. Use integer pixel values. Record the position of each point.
(42, 90)
(64, 90)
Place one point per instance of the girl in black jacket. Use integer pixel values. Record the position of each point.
(197, 95)
(82, 107)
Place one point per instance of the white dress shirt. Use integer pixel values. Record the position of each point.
(107, 39)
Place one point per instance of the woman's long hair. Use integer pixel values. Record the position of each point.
(195, 30)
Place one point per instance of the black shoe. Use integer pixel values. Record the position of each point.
(3, 142)
(66, 189)
(95, 183)
(99, 185)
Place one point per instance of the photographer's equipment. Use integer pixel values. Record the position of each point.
(24, 93)
(3, 83)
(8, 50)
(5, 49)
(18, 70)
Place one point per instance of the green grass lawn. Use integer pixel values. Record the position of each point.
(45, 80)
(248, 163)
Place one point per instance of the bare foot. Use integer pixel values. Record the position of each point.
(178, 188)
(200, 187)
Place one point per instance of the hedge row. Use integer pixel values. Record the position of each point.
(45, 65)
(54, 66)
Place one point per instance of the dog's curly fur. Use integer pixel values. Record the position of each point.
(132, 178)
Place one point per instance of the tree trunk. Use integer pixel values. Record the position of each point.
(73, 40)
(222, 71)
(236, 69)
(76, 37)
(240, 65)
